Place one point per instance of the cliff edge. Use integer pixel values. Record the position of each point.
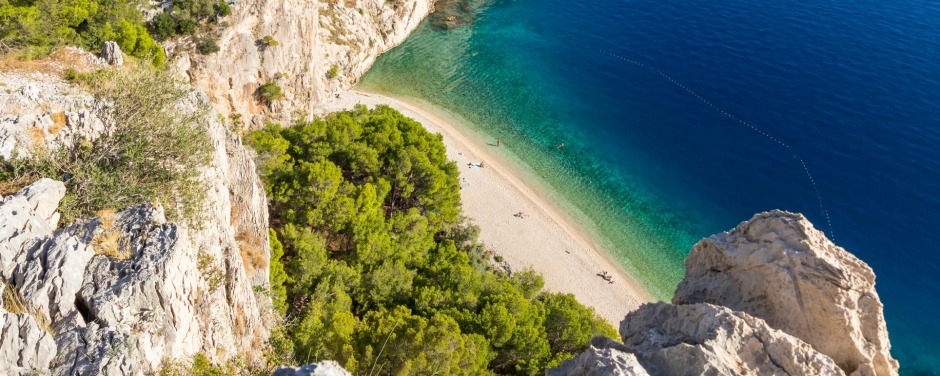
(771, 296)
(123, 292)
(310, 49)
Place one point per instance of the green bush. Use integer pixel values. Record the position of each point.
(270, 93)
(333, 72)
(223, 9)
(379, 268)
(268, 41)
(208, 46)
(42, 25)
(153, 153)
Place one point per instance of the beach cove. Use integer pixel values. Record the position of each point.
(516, 219)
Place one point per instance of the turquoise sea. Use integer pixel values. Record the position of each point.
(681, 119)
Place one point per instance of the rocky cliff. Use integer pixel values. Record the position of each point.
(122, 293)
(771, 296)
(308, 38)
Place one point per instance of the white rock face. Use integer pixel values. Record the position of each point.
(603, 357)
(25, 346)
(42, 112)
(779, 268)
(183, 289)
(699, 339)
(312, 37)
(111, 54)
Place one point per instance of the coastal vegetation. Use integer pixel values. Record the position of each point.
(152, 149)
(374, 266)
(38, 27)
(270, 92)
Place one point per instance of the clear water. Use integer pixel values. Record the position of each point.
(852, 87)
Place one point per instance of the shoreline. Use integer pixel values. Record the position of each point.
(545, 239)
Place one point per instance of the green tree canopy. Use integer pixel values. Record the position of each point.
(378, 269)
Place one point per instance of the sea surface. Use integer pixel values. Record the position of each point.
(681, 119)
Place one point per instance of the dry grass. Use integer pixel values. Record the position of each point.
(108, 243)
(251, 248)
(107, 218)
(58, 120)
(9, 187)
(38, 136)
(53, 64)
(14, 303)
(240, 322)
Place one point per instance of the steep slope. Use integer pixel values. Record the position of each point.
(121, 293)
(312, 37)
(771, 296)
(778, 267)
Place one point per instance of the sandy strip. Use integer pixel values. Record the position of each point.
(544, 238)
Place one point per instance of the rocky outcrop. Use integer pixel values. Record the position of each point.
(324, 368)
(307, 39)
(779, 268)
(666, 339)
(26, 345)
(111, 54)
(40, 112)
(772, 296)
(122, 293)
(603, 357)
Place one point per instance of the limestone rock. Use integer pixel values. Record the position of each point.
(311, 38)
(156, 290)
(324, 368)
(25, 217)
(111, 54)
(602, 358)
(705, 339)
(41, 112)
(779, 268)
(25, 346)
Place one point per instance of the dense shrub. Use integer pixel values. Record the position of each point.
(208, 46)
(152, 153)
(42, 25)
(379, 270)
(333, 72)
(270, 93)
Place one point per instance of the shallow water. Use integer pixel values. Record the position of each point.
(850, 88)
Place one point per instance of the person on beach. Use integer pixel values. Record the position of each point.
(497, 141)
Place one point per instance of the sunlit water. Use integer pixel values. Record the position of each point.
(850, 88)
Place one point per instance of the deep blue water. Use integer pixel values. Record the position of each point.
(853, 87)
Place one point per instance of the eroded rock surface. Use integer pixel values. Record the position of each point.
(778, 267)
(310, 39)
(602, 358)
(773, 296)
(121, 293)
(698, 339)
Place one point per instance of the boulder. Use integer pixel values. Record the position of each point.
(602, 358)
(697, 339)
(111, 54)
(706, 339)
(779, 268)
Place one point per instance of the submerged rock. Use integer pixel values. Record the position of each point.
(778, 267)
